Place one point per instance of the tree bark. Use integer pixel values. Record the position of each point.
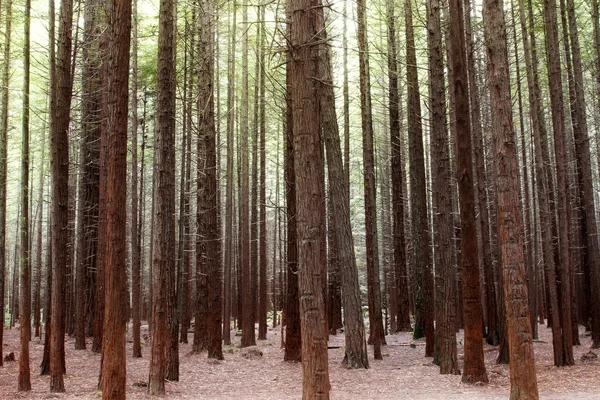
(59, 128)
(419, 225)
(354, 331)
(305, 22)
(25, 256)
(510, 220)
(556, 103)
(118, 23)
(163, 260)
(443, 223)
(4, 98)
(208, 207)
(474, 368)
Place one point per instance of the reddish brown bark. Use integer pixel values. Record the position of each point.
(510, 220)
(474, 368)
(59, 127)
(163, 260)
(305, 22)
(118, 23)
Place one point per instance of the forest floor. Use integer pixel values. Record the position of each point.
(404, 373)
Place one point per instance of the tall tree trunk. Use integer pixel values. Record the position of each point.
(37, 298)
(136, 232)
(229, 243)
(493, 336)
(511, 233)
(354, 332)
(400, 274)
(443, 223)
(423, 274)
(87, 237)
(25, 256)
(376, 333)
(248, 335)
(304, 46)
(556, 103)
(584, 169)
(4, 98)
(262, 262)
(291, 319)
(45, 364)
(163, 260)
(529, 244)
(59, 129)
(208, 207)
(474, 368)
(118, 22)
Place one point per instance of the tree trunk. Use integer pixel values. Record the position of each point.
(4, 98)
(25, 256)
(510, 220)
(304, 46)
(443, 223)
(400, 274)
(555, 83)
(248, 335)
(474, 368)
(376, 333)
(208, 207)
(118, 23)
(136, 233)
(59, 129)
(164, 317)
(584, 169)
(291, 319)
(229, 243)
(419, 225)
(262, 262)
(354, 331)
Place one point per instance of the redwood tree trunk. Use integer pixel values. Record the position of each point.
(305, 23)
(423, 277)
(118, 23)
(443, 223)
(474, 368)
(354, 331)
(59, 129)
(163, 257)
(510, 221)
(376, 332)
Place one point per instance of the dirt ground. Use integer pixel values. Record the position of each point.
(403, 374)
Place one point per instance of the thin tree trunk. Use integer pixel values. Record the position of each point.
(354, 331)
(25, 256)
(293, 342)
(4, 98)
(400, 274)
(229, 243)
(376, 333)
(556, 103)
(248, 335)
(262, 262)
(136, 268)
(59, 127)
